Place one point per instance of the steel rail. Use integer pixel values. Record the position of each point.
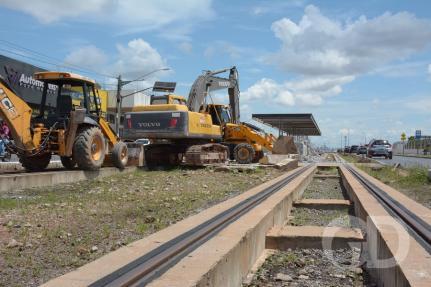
(416, 226)
(153, 264)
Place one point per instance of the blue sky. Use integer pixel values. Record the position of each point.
(362, 66)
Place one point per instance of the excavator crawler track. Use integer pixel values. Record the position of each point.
(198, 155)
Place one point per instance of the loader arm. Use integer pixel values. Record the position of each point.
(17, 115)
(239, 133)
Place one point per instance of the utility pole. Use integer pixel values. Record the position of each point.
(118, 106)
(348, 137)
(119, 100)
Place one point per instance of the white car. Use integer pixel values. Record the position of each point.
(143, 141)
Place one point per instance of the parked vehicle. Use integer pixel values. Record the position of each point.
(346, 149)
(379, 147)
(362, 150)
(354, 148)
(143, 141)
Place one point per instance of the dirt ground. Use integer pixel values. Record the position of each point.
(327, 188)
(46, 232)
(315, 267)
(323, 188)
(311, 268)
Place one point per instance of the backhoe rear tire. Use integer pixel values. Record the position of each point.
(35, 163)
(68, 162)
(120, 155)
(89, 148)
(243, 153)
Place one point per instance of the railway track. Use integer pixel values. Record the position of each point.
(416, 226)
(153, 264)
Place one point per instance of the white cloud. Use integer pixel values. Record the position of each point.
(133, 60)
(131, 15)
(49, 11)
(346, 131)
(185, 47)
(87, 57)
(219, 48)
(137, 58)
(326, 54)
(320, 46)
(274, 6)
(420, 105)
(307, 91)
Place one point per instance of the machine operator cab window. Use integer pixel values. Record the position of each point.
(220, 114)
(72, 91)
(167, 99)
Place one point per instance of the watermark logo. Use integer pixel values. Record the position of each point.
(370, 257)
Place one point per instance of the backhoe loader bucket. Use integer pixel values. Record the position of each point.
(284, 145)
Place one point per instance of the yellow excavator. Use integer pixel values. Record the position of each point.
(78, 134)
(197, 129)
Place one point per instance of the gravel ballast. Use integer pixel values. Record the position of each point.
(311, 268)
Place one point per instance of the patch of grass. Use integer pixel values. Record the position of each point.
(318, 217)
(399, 177)
(349, 158)
(59, 225)
(413, 182)
(332, 170)
(8, 203)
(328, 188)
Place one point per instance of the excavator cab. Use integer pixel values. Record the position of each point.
(168, 99)
(220, 114)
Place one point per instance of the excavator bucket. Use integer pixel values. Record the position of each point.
(284, 145)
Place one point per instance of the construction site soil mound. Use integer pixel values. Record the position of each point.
(284, 145)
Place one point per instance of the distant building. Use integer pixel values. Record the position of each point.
(138, 99)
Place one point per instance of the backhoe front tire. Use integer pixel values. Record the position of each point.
(35, 163)
(120, 155)
(89, 148)
(68, 162)
(243, 153)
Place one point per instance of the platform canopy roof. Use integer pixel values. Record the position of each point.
(292, 124)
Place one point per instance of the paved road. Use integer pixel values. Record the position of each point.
(406, 161)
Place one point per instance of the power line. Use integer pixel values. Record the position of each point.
(62, 63)
(103, 83)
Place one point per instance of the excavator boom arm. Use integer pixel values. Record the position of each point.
(209, 82)
(17, 115)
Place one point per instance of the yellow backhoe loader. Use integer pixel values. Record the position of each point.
(77, 133)
(198, 129)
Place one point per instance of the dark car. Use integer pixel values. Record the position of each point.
(346, 149)
(379, 148)
(362, 150)
(354, 148)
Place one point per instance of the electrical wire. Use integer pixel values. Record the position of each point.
(64, 64)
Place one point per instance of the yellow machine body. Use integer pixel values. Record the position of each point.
(32, 138)
(170, 121)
